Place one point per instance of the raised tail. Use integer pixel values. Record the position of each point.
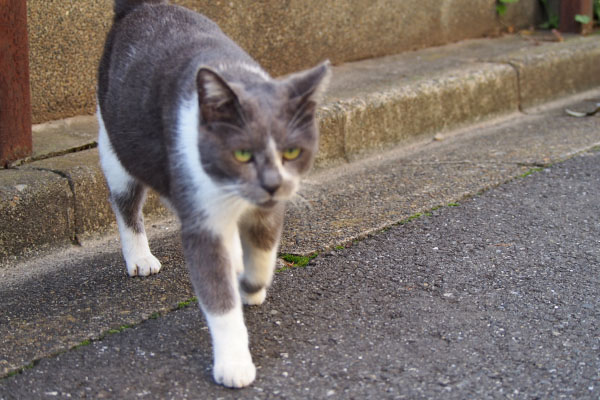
(123, 7)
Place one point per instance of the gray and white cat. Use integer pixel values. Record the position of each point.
(185, 111)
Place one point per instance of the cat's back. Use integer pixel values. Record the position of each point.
(156, 43)
(156, 35)
(145, 70)
(163, 23)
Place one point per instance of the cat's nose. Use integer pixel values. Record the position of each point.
(271, 186)
(271, 181)
(271, 189)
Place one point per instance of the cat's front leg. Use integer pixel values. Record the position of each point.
(260, 231)
(212, 261)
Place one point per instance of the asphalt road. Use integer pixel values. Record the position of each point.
(498, 297)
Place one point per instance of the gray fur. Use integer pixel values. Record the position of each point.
(123, 7)
(249, 287)
(158, 56)
(210, 274)
(129, 204)
(262, 228)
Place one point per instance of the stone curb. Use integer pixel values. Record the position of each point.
(549, 72)
(373, 104)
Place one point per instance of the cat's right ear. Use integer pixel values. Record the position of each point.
(217, 101)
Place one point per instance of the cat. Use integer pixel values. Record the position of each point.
(182, 109)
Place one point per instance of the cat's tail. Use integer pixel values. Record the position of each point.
(123, 7)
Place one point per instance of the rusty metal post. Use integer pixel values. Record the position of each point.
(569, 9)
(15, 100)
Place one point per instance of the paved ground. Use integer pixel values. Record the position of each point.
(498, 297)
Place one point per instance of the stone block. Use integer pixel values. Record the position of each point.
(92, 211)
(36, 210)
(555, 70)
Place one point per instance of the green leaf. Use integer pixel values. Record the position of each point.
(552, 23)
(501, 6)
(583, 19)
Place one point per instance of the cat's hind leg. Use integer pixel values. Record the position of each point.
(127, 197)
(260, 231)
(136, 251)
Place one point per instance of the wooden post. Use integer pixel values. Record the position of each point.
(15, 100)
(569, 9)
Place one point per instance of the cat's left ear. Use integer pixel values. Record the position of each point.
(306, 88)
(217, 100)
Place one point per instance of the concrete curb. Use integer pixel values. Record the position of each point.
(549, 72)
(372, 105)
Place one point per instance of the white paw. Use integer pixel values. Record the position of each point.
(254, 299)
(142, 265)
(234, 374)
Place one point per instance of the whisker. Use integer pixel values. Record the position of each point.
(298, 200)
(227, 197)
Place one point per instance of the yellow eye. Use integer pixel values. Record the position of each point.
(291, 154)
(242, 156)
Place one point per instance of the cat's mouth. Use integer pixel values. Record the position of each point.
(268, 204)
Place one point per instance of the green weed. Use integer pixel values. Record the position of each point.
(118, 330)
(551, 17)
(531, 171)
(295, 261)
(184, 304)
(86, 342)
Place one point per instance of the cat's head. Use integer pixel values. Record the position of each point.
(259, 138)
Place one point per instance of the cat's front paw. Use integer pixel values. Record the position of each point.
(234, 373)
(254, 299)
(143, 265)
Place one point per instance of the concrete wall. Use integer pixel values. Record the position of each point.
(66, 36)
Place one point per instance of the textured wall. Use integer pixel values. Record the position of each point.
(65, 40)
(66, 36)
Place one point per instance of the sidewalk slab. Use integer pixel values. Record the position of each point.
(55, 138)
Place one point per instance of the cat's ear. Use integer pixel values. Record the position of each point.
(309, 85)
(306, 90)
(217, 100)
